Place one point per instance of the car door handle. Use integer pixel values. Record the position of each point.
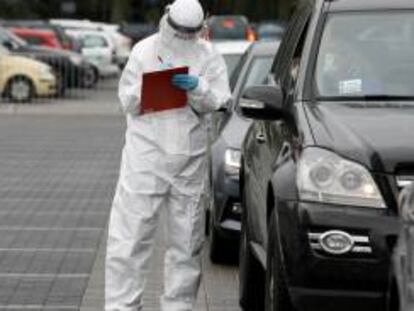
(260, 138)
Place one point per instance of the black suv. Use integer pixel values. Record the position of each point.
(323, 163)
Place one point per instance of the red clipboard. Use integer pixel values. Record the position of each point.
(158, 93)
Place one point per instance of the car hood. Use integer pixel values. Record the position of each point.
(235, 131)
(22, 62)
(379, 135)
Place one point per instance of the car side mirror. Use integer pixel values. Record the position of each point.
(262, 102)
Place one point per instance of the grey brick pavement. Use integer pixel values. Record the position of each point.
(218, 290)
(57, 176)
(58, 167)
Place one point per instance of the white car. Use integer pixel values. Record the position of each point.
(98, 49)
(232, 52)
(123, 44)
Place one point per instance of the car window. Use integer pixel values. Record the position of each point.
(294, 35)
(258, 71)
(228, 28)
(237, 71)
(363, 54)
(256, 74)
(232, 61)
(92, 41)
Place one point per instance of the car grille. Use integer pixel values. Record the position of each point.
(361, 248)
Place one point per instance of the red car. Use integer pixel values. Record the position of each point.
(45, 38)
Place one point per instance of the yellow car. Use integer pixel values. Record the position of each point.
(22, 78)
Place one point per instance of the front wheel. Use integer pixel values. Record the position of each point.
(20, 90)
(90, 78)
(277, 293)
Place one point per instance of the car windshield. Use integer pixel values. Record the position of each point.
(7, 37)
(367, 55)
(231, 62)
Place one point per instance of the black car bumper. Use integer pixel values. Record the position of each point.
(321, 281)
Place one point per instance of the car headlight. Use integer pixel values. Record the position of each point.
(76, 59)
(46, 72)
(323, 176)
(232, 162)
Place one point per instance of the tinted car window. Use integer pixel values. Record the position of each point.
(364, 54)
(258, 71)
(228, 28)
(90, 41)
(231, 62)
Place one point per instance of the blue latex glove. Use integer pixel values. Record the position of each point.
(185, 82)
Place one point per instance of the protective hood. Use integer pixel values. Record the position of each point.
(186, 16)
(173, 39)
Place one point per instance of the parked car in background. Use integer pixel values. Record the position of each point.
(64, 40)
(71, 69)
(324, 162)
(229, 27)
(138, 31)
(121, 42)
(23, 78)
(270, 30)
(97, 48)
(225, 210)
(232, 52)
(45, 38)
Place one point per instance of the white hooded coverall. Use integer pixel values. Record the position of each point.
(163, 167)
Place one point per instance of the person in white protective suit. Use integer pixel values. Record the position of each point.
(163, 165)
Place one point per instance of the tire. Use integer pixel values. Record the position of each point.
(20, 90)
(251, 274)
(276, 290)
(90, 78)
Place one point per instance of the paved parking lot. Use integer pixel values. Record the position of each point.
(59, 164)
